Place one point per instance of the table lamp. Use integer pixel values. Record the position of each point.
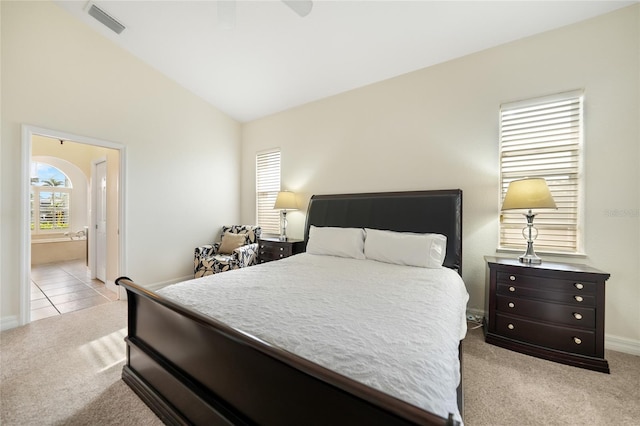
(285, 200)
(528, 194)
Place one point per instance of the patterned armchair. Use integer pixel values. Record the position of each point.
(209, 260)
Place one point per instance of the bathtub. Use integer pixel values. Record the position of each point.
(50, 248)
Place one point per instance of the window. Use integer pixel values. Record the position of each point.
(267, 188)
(50, 199)
(543, 138)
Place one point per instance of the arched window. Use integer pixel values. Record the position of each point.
(50, 199)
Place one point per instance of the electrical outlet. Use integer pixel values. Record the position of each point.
(474, 318)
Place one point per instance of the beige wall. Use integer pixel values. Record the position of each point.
(438, 128)
(58, 74)
(82, 155)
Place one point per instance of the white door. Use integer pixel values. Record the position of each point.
(101, 221)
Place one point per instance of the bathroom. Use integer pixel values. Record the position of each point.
(59, 202)
(64, 278)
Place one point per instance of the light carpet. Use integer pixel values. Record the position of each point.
(65, 370)
(503, 387)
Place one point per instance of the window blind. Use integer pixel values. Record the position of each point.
(50, 198)
(51, 212)
(543, 138)
(267, 188)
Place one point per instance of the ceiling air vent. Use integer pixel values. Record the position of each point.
(105, 19)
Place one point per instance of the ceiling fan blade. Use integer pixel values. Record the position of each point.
(301, 7)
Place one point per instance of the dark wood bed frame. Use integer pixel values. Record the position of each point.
(191, 369)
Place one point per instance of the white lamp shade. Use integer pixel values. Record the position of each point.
(526, 194)
(286, 200)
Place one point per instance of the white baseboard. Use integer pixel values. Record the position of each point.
(611, 342)
(622, 344)
(154, 286)
(9, 322)
(111, 285)
(158, 286)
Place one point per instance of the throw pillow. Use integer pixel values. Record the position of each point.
(230, 242)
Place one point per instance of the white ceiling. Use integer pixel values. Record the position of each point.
(271, 59)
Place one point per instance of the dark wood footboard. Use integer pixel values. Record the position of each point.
(191, 369)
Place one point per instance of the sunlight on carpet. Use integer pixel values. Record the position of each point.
(106, 351)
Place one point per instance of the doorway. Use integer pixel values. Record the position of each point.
(101, 229)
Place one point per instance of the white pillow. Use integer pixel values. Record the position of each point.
(405, 248)
(341, 242)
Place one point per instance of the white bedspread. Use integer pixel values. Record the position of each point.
(394, 328)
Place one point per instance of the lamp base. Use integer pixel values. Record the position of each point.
(530, 259)
(283, 226)
(530, 256)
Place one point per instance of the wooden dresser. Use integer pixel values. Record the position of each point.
(273, 249)
(553, 311)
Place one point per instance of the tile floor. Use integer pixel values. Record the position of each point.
(58, 288)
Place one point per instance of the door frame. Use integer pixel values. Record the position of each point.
(93, 261)
(28, 131)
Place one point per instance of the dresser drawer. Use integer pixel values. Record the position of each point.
(542, 283)
(273, 249)
(268, 252)
(575, 297)
(574, 316)
(566, 339)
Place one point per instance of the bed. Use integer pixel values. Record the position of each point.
(192, 368)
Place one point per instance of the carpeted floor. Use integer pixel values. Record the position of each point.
(503, 387)
(66, 370)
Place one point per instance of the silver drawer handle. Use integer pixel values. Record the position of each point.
(511, 305)
(512, 288)
(512, 277)
(281, 248)
(578, 298)
(577, 340)
(511, 326)
(579, 286)
(577, 315)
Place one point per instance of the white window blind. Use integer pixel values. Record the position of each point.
(543, 138)
(50, 199)
(267, 188)
(52, 210)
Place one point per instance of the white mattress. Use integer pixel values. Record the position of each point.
(394, 328)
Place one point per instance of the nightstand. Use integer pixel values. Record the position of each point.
(273, 249)
(552, 310)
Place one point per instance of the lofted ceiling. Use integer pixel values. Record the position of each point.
(254, 58)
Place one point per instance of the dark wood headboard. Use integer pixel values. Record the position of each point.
(438, 211)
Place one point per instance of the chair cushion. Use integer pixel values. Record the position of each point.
(231, 241)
